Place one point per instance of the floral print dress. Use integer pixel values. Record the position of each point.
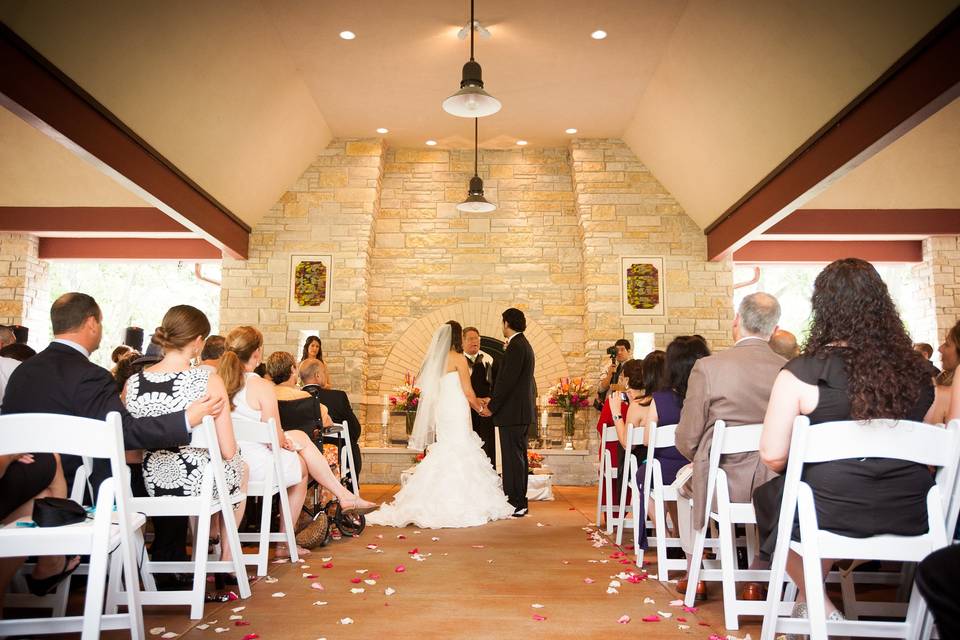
(175, 472)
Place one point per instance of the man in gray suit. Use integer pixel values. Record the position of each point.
(734, 386)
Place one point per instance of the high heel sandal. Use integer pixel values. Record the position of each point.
(44, 586)
(353, 507)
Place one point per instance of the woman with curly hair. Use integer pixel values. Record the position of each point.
(858, 364)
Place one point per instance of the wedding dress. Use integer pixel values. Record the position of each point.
(454, 485)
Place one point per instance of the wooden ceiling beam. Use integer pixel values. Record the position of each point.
(90, 221)
(868, 222)
(44, 97)
(193, 249)
(919, 84)
(824, 251)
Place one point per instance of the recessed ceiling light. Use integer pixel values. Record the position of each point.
(599, 34)
(348, 35)
(571, 130)
(383, 130)
(431, 143)
(522, 143)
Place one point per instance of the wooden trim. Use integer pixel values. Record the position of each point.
(921, 82)
(132, 221)
(44, 97)
(127, 249)
(826, 251)
(869, 222)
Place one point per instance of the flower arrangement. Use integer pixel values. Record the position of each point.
(534, 460)
(570, 394)
(406, 397)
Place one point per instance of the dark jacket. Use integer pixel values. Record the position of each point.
(514, 393)
(338, 405)
(62, 380)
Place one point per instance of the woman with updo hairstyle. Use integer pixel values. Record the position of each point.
(169, 386)
(253, 398)
(858, 364)
(313, 348)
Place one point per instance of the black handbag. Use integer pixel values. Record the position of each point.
(57, 512)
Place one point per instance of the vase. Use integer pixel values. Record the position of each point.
(411, 417)
(568, 426)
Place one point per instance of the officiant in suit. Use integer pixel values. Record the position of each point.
(512, 408)
(482, 376)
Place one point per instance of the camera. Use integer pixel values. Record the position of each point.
(612, 352)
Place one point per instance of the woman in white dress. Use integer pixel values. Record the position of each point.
(252, 398)
(454, 485)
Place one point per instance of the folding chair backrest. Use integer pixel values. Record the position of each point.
(255, 431)
(608, 434)
(663, 436)
(953, 511)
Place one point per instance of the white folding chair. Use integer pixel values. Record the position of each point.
(628, 483)
(266, 488)
(202, 507)
(728, 514)
(97, 537)
(346, 457)
(19, 596)
(655, 489)
(899, 440)
(607, 473)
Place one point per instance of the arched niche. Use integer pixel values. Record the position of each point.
(407, 354)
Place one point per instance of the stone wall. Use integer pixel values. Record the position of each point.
(24, 295)
(403, 253)
(622, 210)
(937, 294)
(330, 210)
(428, 255)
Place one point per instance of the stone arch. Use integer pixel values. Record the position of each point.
(407, 354)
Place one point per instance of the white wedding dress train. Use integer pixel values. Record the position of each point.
(454, 486)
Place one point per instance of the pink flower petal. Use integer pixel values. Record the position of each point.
(374, 576)
(689, 609)
(251, 636)
(623, 619)
(651, 618)
(317, 586)
(539, 618)
(588, 580)
(400, 568)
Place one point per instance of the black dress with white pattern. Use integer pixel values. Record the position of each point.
(175, 472)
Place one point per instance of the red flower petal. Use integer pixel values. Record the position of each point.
(400, 568)
(310, 576)
(651, 618)
(242, 623)
(689, 609)
(401, 537)
(232, 596)
(413, 551)
(328, 565)
(251, 636)
(538, 617)
(355, 580)
(681, 619)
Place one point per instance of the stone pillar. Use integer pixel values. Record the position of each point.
(623, 210)
(24, 295)
(937, 295)
(330, 210)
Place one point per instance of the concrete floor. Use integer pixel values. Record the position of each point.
(472, 583)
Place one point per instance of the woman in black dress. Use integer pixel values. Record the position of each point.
(858, 364)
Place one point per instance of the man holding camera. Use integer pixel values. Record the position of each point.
(619, 353)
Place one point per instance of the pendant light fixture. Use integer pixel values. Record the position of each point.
(471, 101)
(475, 202)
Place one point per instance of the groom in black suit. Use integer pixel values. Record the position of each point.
(512, 408)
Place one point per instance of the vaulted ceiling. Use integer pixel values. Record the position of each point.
(242, 94)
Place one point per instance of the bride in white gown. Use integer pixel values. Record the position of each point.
(454, 485)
